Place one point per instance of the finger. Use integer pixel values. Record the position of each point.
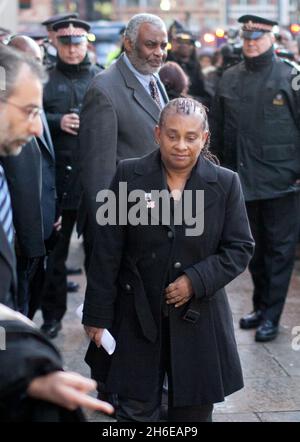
(79, 399)
(97, 338)
(70, 131)
(171, 287)
(80, 382)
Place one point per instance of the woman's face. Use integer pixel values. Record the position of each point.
(181, 139)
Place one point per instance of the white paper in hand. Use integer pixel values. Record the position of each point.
(107, 341)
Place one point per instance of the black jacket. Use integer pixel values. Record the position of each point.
(131, 266)
(255, 126)
(63, 94)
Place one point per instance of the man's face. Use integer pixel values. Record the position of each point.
(16, 126)
(183, 48)
(181, 139)
(254, 48)
(150, 50)
(72, 53)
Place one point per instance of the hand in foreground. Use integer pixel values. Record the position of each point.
(179, 292)
(70, 123)
(95, 334)
(68, 390)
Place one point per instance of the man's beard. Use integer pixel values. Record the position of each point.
(141, 65)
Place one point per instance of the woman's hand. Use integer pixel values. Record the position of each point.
(95, 334)
(180, 291)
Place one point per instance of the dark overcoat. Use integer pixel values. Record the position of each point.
(132, 265)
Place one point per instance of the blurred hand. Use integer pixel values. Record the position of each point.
(68, 390)
(179, 292)
(57, 224)
(70, 123)
(95, 334)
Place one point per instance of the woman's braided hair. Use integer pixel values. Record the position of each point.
(189, 106)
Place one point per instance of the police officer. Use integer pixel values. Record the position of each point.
(63, 96)
(255, 131)
(183, 52)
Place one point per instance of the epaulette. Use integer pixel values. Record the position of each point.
(291, 63)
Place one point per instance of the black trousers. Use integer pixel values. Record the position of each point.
(275, 228)
(131, 410)
(54, 298)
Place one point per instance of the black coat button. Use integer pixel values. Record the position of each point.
(170, 235)
(128, 287)
(177, 265)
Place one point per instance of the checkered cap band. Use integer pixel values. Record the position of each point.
(71, 31)
(262, 27)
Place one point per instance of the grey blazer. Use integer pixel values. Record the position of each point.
(117, 122)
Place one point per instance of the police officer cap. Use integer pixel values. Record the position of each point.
(184, 36)
(71, 31)
(58, 17)
(255, 27)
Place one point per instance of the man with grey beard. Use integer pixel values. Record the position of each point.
(121, 109)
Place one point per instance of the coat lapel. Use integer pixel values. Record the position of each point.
(202, 178)
(139, 93)
(6, 250)
(46, 136)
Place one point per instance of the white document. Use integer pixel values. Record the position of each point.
(107, 341)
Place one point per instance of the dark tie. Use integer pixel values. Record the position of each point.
(154, 92)
(5, 208)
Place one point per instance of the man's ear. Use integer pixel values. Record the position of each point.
(128, 45)
(273, 39)
(157, 134)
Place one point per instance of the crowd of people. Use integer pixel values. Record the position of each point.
(216, 137)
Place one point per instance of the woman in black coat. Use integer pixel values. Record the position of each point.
(157, 276)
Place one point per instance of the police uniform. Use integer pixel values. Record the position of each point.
(255, 131)
(63, 94)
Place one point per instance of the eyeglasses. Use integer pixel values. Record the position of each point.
(31, 112)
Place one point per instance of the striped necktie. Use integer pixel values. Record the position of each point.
(154, 92)
(5, 208)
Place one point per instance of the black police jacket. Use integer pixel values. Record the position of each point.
(255, 126)
(63, 94)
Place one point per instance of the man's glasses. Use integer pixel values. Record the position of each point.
(31, 112)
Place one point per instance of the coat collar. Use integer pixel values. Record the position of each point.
(149, 176)
(139, 93)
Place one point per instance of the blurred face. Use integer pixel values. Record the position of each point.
(254, 48)
(149, 52)
(17, 125)
(182, 48)
(181, 139)
(72, 53)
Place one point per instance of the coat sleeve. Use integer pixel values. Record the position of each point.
(98, 146)
(104, 268)
(234, 252)
(26, 357)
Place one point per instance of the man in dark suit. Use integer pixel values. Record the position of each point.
(27, 392)
(31, 181)
(119, 112)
